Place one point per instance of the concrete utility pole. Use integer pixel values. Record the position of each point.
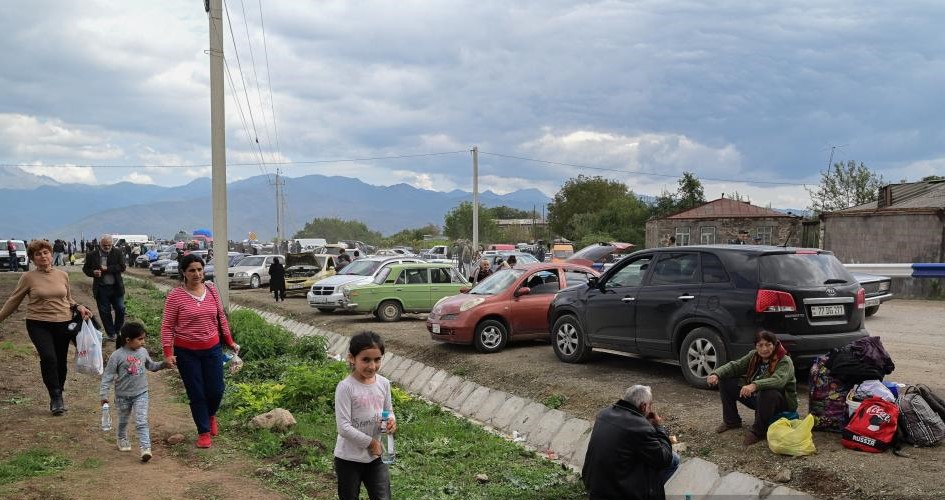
(280, 211)
(218, 150)
(475, 207)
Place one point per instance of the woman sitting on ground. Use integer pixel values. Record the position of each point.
(762, 380)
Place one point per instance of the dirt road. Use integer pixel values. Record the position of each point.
(911, 331)
(99, 470)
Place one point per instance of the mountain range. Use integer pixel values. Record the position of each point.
(37, 206)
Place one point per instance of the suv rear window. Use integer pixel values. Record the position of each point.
(803, 270)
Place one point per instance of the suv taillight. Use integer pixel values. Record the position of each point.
(861, 298)
(774, 301)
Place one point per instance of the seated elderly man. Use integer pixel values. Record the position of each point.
(629, 455)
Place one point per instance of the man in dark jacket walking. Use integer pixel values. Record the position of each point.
(629, 454)
(105, 265)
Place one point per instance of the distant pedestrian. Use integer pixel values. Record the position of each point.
(59, 248)
(342, 260)
(483, 272)
(277, 279)
(105, 267)
(14, 259)
(359, 399)
(127, 368)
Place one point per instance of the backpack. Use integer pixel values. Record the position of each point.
(873, 427)
(921, 424)
(827, 397)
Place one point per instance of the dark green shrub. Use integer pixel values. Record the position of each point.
(259, 340)
(264, 369)
(310, 348)
(312, 387)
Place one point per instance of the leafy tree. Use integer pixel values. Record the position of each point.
(844, 186)
(665, 204)
(334, 229)
(458, 223)
(621, 219)
(690, 193)
(934, 178)
(504, 212)
(736, 196)
(581, 195)
(411, 237)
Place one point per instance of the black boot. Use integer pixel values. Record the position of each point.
(56, 405)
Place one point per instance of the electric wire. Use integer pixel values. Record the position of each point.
(272, 106)
(252, 58)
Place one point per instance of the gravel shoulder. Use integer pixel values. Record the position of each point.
(911, 331)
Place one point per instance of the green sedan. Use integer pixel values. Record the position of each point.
(404, 288)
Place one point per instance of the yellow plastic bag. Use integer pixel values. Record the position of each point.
(792, 437)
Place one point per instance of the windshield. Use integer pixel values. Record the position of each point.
(521, 258)
(361, 267)
(254, 261)
(497, 282)
(562, 253)
(17, 243)
(807, 269)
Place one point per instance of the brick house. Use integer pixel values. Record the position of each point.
(905, 224)
(720, 221)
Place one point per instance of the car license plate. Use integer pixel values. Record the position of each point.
(435, 327)
(823, 311)
(319, 300)
(872, 302)
(293, 287)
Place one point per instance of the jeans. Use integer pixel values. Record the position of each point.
(108, 297)
(668, 472)
(139, 403)
(51, 339)
(374, 475)
(202, 374)
(14, 263)
(766, 404)
(57, 258)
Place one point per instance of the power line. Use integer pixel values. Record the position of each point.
(637, 172)
(272, 106)
(252, 58)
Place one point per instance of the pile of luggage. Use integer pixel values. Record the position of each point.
(848, 395)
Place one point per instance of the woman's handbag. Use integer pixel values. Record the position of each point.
(88, 352)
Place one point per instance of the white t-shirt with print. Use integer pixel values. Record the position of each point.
(357, 412)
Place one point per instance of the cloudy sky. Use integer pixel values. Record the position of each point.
(748, 95)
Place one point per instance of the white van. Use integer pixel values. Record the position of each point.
(309, 244)
(20, 254)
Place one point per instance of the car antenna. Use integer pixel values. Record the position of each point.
(787, 238)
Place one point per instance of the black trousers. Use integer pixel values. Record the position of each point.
(766, 404)
(279, 294)
(51, 339)
(374, 475)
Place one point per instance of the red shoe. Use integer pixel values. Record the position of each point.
(214, 428)
(203, 440)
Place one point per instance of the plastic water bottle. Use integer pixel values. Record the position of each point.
(387, 440)
(106, 418)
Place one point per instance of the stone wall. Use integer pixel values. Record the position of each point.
(774, 229)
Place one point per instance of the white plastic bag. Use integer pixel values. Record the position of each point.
(88, 351)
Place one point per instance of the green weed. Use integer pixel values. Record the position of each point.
(31, 463)
(555, 401)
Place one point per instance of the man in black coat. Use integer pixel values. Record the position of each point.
(629, 454)
(105, 265)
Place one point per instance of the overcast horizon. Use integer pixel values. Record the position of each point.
(748, 97)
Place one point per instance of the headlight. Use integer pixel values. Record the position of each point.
(469, 304)
(240, 275)
(883, 286)
(343, 290)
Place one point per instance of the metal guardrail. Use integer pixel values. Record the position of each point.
(917, 270)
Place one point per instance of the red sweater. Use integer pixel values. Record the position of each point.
(191, 324)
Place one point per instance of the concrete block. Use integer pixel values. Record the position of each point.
(738, 484)
(526, 422)
(460, 395)
(567, 439)
(447, 388)
(341, 347)
(504, 415)
(694, 477)
(490, 406)
(546, 428)
(398, 374)
(785, 493)
(580, 452)
(474, 400)
(421, 379)
(433, 384)
(388, 366)
(411, 374)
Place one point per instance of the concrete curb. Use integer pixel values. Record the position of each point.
(547, 431)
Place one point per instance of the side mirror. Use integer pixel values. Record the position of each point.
(593, 282)
(523, 291)
(465, 289)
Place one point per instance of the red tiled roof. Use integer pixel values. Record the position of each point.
(727, 208)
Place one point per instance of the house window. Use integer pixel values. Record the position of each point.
(682, 236)
(766, 233)
(707, 236)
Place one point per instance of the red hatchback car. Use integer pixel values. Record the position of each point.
(510, 304)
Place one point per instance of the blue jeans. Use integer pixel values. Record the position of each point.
(202, 374)
(107, 298)
(14, 263)
(139, 404)
(668, 472)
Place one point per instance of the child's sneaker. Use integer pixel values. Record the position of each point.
(203, 440)
(214, 428)
(123, 444)
(146, 454)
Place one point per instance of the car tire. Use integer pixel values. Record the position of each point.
(325, 310)
(872, 310)
(569, 341)
(389, 311)
(701, 352)
(491, 336)
(254, 281)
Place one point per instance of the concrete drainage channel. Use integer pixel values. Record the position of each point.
(551, 432)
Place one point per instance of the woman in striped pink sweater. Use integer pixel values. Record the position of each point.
(193, 327)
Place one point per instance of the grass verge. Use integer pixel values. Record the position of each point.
(31, 463)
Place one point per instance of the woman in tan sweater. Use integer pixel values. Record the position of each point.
(48, 314)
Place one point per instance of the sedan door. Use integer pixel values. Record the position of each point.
(529, 313)
(413, 287)
(444, 282)
(610, 312)
(668, 297)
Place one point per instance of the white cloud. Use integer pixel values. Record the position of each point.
(138, 178)
(65, 174)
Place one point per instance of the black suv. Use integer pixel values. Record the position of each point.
(703, 304)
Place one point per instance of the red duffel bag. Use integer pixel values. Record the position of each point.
(872, 427)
